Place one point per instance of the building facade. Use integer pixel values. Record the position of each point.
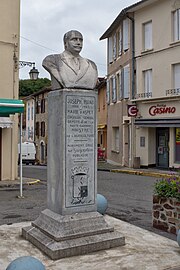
(41, 122)
(28, 133)
(157, 54)
(9, 80)
(102, 119)
(120, 89)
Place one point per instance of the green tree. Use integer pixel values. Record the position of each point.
(28, 87)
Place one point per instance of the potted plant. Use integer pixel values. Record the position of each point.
(166, 204)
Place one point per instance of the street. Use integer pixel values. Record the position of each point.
(129, 198)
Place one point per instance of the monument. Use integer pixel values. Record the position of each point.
(71, 224)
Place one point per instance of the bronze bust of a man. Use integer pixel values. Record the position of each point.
(69, 69)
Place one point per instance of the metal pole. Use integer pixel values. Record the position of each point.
(21, 195)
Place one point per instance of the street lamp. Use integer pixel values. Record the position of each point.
(33, 73)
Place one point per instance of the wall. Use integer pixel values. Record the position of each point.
(9, 80)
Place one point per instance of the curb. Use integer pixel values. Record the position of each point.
(15, 185)
(133, 172)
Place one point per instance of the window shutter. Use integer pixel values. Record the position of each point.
(114, 92)
(110, 49)
(107, 92)
(126, 35)
(120, 42)
(176, 18)
(126, 81)
(114, 46)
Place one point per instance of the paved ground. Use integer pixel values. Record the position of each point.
(143, 250)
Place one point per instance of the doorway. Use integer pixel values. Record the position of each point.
(162, 148)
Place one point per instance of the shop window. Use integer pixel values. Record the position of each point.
(177, 146)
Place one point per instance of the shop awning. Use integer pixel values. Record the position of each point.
(165, 122)
(10, 106)
(5, 122)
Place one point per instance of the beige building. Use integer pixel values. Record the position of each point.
(157, 53)
(9, 79)
(120, 89)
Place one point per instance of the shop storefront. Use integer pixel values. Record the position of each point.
(158, 133)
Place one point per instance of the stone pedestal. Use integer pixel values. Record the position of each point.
(64, 236)
(71, 226)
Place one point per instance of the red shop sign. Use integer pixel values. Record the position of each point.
(161, 109)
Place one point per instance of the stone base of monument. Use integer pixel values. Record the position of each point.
(65, 236)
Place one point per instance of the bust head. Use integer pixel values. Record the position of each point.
(73, 42)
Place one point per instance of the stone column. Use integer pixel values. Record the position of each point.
(72, 151)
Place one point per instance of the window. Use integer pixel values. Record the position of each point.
(148, 36)
(125, 34)
(115, 141)
(37, 129)
(43, 129)
(28, 112)
(38, 104)
(108, 92)
(148, 82)
(126, 81)
(43, 105)
(32, 112)
(120, 42)
(29, 135)
(176, 74)
(114, 46)
(176, 22)
(110, 50)
(114, 91)
(119, 85)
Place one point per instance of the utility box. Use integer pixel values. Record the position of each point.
(136, 164)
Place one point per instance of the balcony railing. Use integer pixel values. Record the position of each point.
(144, 95)
(173, 92)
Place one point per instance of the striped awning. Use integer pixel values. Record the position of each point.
(158, 122)
(10, 106)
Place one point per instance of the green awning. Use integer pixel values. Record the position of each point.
(11, 106)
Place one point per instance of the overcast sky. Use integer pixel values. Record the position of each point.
(44, 22)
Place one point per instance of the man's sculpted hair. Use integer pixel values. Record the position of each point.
(69, 34)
